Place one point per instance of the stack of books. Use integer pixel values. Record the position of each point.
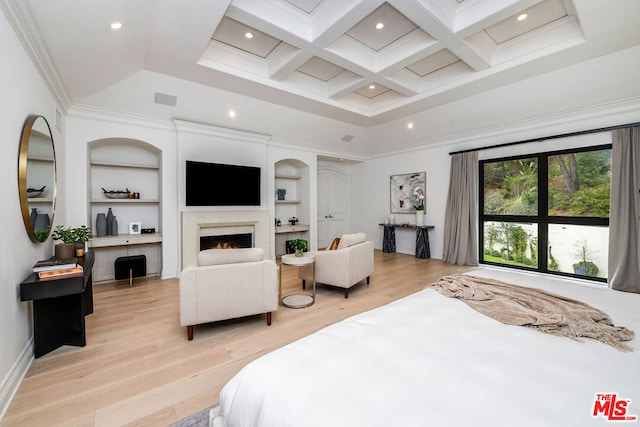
(57, 268)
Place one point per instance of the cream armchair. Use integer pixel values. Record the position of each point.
(343, 267)
(227, 283)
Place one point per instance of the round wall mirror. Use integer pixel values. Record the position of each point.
(37, 178)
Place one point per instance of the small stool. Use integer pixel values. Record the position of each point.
(130, 267)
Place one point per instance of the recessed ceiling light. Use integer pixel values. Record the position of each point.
(232, 113)
(522, 17)
(379, 26)
(116, 25)
(410, 125)
(372, 87)
(248, 35)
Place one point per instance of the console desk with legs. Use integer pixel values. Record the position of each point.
(423, 249)
(59, 307)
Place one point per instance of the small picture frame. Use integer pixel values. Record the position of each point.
(135, 227)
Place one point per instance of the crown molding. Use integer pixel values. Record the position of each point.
(21, 20)
(112, 116)
(219, 132)
(542, 127)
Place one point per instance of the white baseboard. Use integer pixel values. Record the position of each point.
(12, 381)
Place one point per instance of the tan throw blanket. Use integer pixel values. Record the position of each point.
(549, 313)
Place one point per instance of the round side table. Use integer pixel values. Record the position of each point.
(298, 300)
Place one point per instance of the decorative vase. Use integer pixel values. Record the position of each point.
(101, 225)
(114, 226)
(64, 250)
(299, 252)
(419, 218)
(41, 223)
(109, 222)
(34, 214)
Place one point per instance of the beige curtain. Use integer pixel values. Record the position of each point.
(624, 218)
(460, 229)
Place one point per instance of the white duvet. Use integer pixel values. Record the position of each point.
(428, 360)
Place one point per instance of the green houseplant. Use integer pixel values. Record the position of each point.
(299, 246)
(73, 240)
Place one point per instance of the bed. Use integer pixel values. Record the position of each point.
(429, 360)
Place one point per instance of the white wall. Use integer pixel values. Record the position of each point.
(371, 196)
(23, 92)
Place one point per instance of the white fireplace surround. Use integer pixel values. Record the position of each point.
(212, 223)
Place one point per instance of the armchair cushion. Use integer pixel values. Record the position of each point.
(351, 239)
(229, 256)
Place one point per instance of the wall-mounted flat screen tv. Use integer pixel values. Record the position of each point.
(215, 184)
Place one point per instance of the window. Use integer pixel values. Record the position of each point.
(547, 212)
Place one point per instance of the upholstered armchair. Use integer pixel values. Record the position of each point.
(345, 266)
(227, 283)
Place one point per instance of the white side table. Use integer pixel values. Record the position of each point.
(300, 300)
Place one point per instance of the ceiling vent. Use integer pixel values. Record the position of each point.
(347, 138)
(164, 99)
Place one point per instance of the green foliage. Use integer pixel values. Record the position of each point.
(298, 245)
(592, 269)
(71, 235)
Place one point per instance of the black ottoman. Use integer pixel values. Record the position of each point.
(130, 267)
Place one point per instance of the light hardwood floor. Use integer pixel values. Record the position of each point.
(139, 369)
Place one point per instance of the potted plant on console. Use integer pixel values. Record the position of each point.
(73, 240)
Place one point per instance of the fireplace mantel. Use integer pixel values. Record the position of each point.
(196, 223)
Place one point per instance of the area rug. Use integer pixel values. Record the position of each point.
(199, 419)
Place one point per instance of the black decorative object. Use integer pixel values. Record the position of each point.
(101, 225)
(41, 222)
(109, 222)
(34, 214)
(114, 226)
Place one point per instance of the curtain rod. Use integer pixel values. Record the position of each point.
(563, 135)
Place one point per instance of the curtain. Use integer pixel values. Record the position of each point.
(460, 230)
(624, 217)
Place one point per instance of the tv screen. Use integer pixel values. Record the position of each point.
(214, 184)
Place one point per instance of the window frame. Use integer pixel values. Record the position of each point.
(543, 219)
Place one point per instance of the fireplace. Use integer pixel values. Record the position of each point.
(227, 241)
(215, 226)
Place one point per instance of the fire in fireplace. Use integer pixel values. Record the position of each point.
(226, 241)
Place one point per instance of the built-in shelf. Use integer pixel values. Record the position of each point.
(281, 229)
(123, 165)
(40, 159)
(288, 202)
(134, 166)
(47, 200)
(124, 240)
(288, 177)
(116, 201)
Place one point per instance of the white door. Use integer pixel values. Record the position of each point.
(333, 194)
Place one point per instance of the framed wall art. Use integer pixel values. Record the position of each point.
(403, 189)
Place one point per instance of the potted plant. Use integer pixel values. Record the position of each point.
(419, 206)
(299, 246)
(72, 239)
(584, 266)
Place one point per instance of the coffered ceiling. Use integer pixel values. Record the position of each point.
(361, 61)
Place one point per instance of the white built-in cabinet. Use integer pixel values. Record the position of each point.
(292, 176)
(116, 165)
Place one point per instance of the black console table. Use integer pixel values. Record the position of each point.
(423, 250)
(59, 307)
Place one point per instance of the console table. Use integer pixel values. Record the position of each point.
(423, 250)
(59, 307)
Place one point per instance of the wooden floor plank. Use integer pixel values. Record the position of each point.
(138, 368)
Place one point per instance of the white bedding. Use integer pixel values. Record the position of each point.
(428, 360)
